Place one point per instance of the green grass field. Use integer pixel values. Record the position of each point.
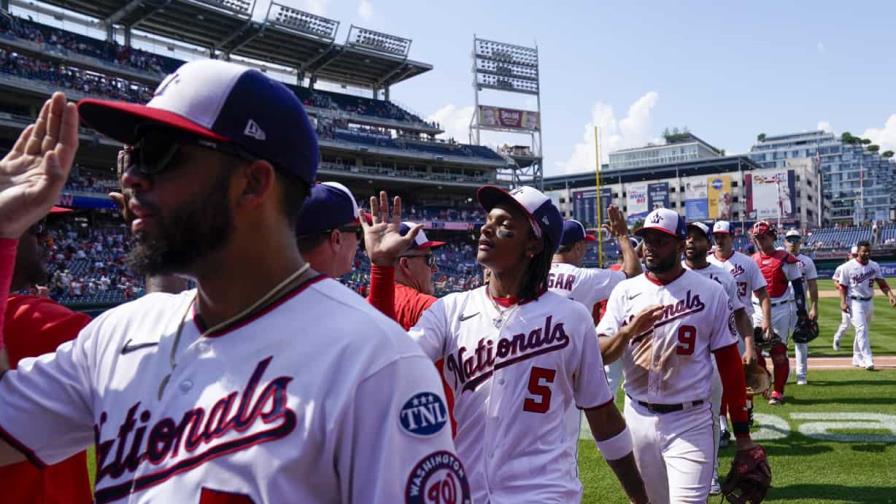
(883, 325)
(811, 463)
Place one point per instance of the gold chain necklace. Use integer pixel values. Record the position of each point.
(254, 306)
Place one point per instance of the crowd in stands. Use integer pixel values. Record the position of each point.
(86, 265)
(61, 40)
(69, 77)
(91, 181)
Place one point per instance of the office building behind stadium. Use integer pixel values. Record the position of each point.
(858, 183)
(703, 188)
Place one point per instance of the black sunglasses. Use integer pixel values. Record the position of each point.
(157, 150)
(357, 230)
(428, 258)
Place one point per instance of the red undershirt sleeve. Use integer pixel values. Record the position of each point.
(382, 289)
(8, 248)
(734, 385)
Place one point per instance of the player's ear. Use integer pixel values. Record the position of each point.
(257, 182)
(335, 238)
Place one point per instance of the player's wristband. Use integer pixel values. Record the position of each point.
(617, 446)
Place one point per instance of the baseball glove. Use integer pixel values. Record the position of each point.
(806, 330)
(749, 477)
(762, 342)
(759, 379)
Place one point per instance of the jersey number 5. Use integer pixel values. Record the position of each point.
(687, 336)
(538, 380)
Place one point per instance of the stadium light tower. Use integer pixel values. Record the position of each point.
(510, 68)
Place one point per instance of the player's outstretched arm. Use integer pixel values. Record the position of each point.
(33, 173)
(885, 288)
(615, 444)
(631, 266)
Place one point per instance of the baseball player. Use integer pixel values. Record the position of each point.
(590, 286)
(856, 287)
(844, 315)
(36, 325)
(666, 325)
(329, 229)
(695, 251)
(781, 271)
(792, 242)
(268, 383)
(750, 285)
(520, 359)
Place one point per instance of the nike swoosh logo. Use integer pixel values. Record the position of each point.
(128, 347)
(633, 296)
(466, 317)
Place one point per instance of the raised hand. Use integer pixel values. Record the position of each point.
(616, 225)
(382, 235)
(644, 321)
(35, 170)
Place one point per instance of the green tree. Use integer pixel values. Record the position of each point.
(865, 141)
(887, 154)
(760, 137)
(873, 148)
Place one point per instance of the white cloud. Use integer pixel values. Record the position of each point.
(365, 9)
(633, 130)
(454, 120)
(885, 137)
(820, 47)
(824, 126)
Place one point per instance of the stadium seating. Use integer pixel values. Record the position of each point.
(62, 41)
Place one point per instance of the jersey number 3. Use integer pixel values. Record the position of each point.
(687, 336)
(539, 379)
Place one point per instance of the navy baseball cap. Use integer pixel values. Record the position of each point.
(544, 217)
(329, 206)
(703, 228)
(421, 241)
(220, 101)
(574, 232)
(666, 221)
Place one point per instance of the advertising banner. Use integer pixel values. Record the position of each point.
(636, 201)
(657, 195)
(719, 196)
(695, 198)
(770, 193)
(497, 117)
(584, 206)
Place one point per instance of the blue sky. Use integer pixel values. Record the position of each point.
(726, 70)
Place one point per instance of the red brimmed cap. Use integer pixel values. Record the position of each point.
(220, 101)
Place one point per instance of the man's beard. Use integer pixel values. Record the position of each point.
(663, 265)
(190, 233)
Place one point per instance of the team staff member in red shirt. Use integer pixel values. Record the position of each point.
(34, 326)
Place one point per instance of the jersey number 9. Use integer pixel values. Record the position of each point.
(687, 336)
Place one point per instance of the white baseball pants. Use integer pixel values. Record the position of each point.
(861, 314)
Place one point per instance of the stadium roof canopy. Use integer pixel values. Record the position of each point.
(287, 37)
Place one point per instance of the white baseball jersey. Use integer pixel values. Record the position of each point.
(807, 267)
(514, 388)
(746, 275)
(859, 278)
(671, 364)
(585, 285)
(318, 398)
(724, 279)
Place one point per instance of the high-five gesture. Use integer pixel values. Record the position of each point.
(35, 170)
(616, 225)
(382, 235)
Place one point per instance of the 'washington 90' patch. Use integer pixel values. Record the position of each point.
(438, 478)
(424, 414)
